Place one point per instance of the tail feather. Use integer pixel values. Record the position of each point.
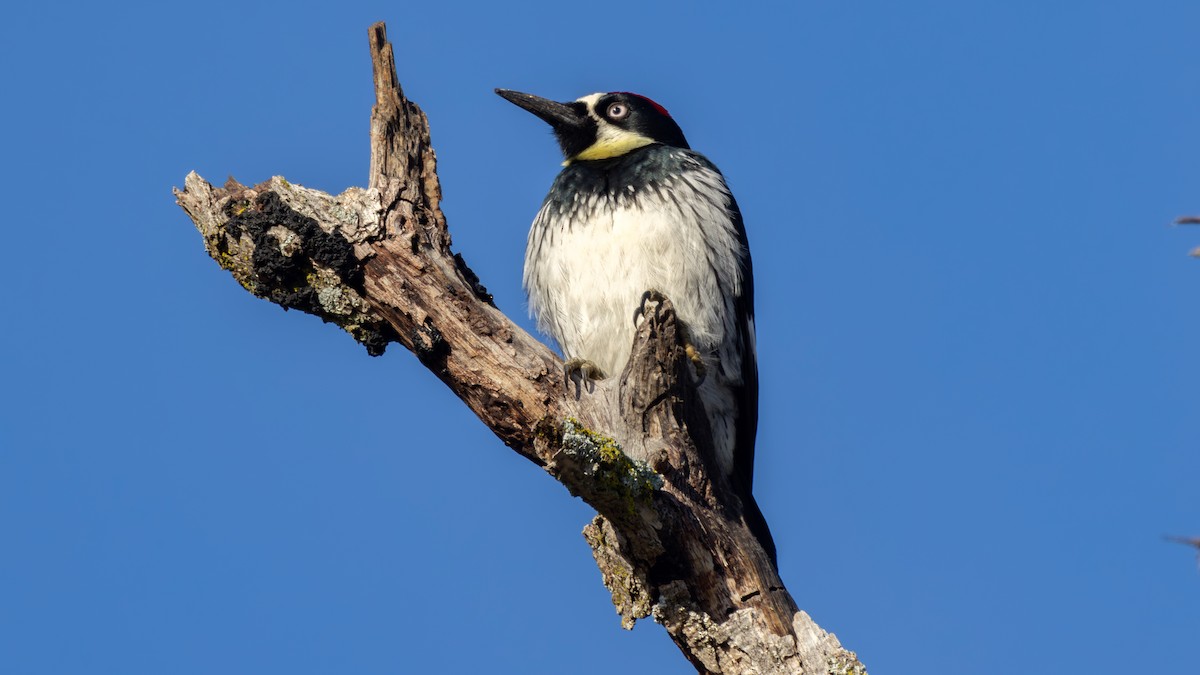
(758, 525)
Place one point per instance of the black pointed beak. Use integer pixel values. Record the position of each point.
(562, 116)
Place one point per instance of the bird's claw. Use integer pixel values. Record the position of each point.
(583, 373)
(697, 360)
(650, 296)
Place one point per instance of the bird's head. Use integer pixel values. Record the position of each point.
(600, 126)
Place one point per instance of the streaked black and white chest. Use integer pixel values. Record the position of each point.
(656, 218)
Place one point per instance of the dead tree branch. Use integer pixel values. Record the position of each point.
(377, 262)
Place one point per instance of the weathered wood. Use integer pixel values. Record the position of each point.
(378, 263)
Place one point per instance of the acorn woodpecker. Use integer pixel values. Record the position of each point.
(635, 211)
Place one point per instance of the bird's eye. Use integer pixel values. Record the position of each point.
(617, 111)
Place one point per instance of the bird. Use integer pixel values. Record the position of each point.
(1190, 541)
(635, 214)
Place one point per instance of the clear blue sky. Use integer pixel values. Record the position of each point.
(978, 336)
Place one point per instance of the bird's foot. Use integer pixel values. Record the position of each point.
(697, 360)
(583, 373)
(650, 297)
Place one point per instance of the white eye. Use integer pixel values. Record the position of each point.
(617, 111)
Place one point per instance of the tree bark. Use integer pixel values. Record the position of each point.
(378, 263)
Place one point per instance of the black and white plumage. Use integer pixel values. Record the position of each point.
(635, 210)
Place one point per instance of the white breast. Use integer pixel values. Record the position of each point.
(587, 268)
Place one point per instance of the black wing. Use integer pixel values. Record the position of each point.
(747, 395)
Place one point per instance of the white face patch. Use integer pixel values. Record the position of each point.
(611, 140)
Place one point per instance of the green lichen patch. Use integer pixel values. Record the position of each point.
(628, 585)
(603, 459)
(845, 663)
